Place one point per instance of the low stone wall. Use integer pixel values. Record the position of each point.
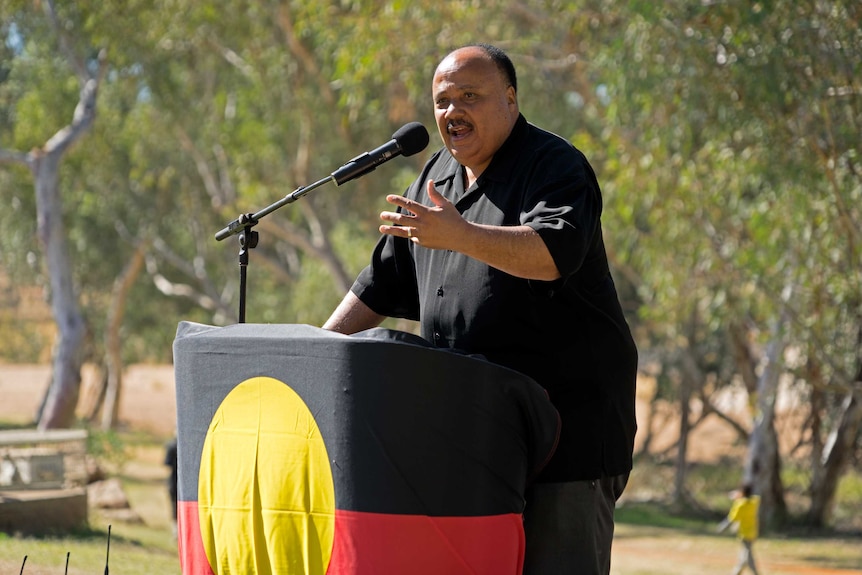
(43, 511)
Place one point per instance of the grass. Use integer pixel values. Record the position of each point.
(136, 548)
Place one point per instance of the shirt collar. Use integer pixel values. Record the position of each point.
(503, 162)
(506, 158)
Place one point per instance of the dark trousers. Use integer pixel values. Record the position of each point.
(570, 526)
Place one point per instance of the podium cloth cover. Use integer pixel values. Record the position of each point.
(305, 451)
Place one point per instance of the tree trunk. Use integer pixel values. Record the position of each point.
(691, 381)
(647, 429)
(113, 343)
(679, 498)
(62, 394)
(763, 466)
(839, 449)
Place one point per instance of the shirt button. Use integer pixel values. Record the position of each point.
(439, 292)
(436, 336)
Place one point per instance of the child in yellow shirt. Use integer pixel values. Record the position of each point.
(743, 514)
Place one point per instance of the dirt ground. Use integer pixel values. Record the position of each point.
(148, 399)
(148, 403)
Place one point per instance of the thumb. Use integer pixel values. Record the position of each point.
(434, 195)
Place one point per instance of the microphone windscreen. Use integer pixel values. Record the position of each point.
(411, 138)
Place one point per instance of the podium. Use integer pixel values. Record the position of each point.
(305, 451)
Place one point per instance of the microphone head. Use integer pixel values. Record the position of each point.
(411, 138)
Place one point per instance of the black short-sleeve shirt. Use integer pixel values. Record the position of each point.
(569, 335)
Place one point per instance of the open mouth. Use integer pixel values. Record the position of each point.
(458, 131)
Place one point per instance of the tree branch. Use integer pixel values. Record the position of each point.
(13, 157)
(173, 289)
(77, 63)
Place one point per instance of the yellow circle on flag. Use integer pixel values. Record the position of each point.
(266, 498)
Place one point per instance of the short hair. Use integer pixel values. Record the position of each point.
(501, 59)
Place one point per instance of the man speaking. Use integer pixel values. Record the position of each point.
(497, 249)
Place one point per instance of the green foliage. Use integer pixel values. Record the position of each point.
(848, 497)
(22, 341)
(108, 446)
(657, 515)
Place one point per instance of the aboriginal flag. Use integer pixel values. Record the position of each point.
(303, 451)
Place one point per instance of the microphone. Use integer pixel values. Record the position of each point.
(409, 139)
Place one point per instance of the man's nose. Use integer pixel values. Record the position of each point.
(454, 109)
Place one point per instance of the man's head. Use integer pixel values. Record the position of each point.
(475, 103)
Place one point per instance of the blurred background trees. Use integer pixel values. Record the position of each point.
(726, 137)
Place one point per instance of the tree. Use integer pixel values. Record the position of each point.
(44, 162)
(727, 126)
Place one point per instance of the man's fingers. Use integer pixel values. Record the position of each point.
(400, 231)
(415, 207)
(396, 218)
(403, 202)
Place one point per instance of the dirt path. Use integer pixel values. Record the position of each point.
(653, 551)
(148, 400)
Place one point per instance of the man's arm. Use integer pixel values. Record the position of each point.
(516, 250)
(352, 316)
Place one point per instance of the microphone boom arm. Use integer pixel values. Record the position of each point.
(249, 220)
(407, 140)
(248, 238)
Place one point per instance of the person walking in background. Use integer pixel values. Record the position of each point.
(497, 250)
(171, 462)
(743, 515)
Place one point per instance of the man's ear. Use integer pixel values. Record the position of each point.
(512, 96)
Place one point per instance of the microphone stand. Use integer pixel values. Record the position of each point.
(248, 238)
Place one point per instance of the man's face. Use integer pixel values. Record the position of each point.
(474, 105)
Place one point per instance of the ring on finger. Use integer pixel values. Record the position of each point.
(409, 232)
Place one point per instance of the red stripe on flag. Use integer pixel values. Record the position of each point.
(374, 543)
(193, 558)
